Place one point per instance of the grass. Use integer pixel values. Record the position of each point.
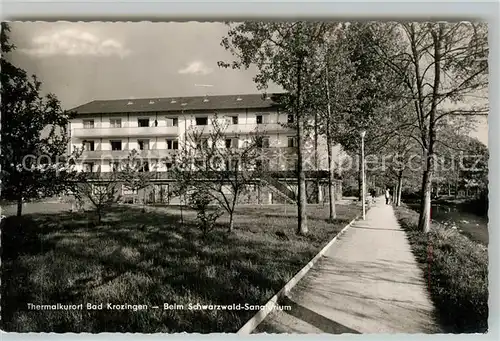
(456, 269)
(151, 259)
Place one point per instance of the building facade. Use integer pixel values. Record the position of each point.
(158, 128)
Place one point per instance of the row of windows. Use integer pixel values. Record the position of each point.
(200, 164)
(141, 122)
(174, 144)
(142, 144)
(174, 121)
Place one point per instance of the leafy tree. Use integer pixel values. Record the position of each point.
(365, 91)
(215, 164)
(339, 75)
(442, 68)
(35, 159)
(286, 54)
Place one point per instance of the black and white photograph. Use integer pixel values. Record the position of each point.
(281, 177)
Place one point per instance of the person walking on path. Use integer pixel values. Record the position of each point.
(387, 196)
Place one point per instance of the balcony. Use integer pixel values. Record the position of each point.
(125, 131)
(123, 154)
(245, 129)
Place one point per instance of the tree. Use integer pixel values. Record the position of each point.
(443, 66)
(35, 160)
(397, 158)
(367, 99)
(216, 164)
(201, 201)
(135, 175)
(339, 74)
(287, 54)
(100, 189)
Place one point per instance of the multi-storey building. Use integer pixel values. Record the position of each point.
(157, 128)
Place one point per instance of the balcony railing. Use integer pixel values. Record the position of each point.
(123, 154)
(244, 128)
(126, 131)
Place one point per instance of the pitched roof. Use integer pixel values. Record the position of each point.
(248, 101)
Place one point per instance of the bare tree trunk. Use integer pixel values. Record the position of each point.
(400, 188)
(360, 178)
(301, 202)
(316, 158)
(425, 213)
(181, 204)
(425, 205)
(231, 222)
(99, 216)
(19, 205)
(331, 180)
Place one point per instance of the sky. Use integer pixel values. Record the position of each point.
(81, 62)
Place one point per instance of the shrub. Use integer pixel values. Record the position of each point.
(206, 216)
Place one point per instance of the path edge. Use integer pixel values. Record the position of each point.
(251, 324)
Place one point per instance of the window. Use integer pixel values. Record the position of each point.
(201, 121)
(234, 119)
(88, 124)
(88, 167)
(115, 123)
(263, 143)
(172, 122)
(115, 166)
(88, 145)
(143, 144)
(172, 144)
(116, 145)
(231, 143)
(143, 122)
(292, 141)
(262, 119)
(290, 118)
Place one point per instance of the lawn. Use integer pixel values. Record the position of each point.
(152, 259)
(456, 270)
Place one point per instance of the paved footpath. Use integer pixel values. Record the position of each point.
(367, 282)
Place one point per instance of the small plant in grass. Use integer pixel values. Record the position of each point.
(207, 212)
